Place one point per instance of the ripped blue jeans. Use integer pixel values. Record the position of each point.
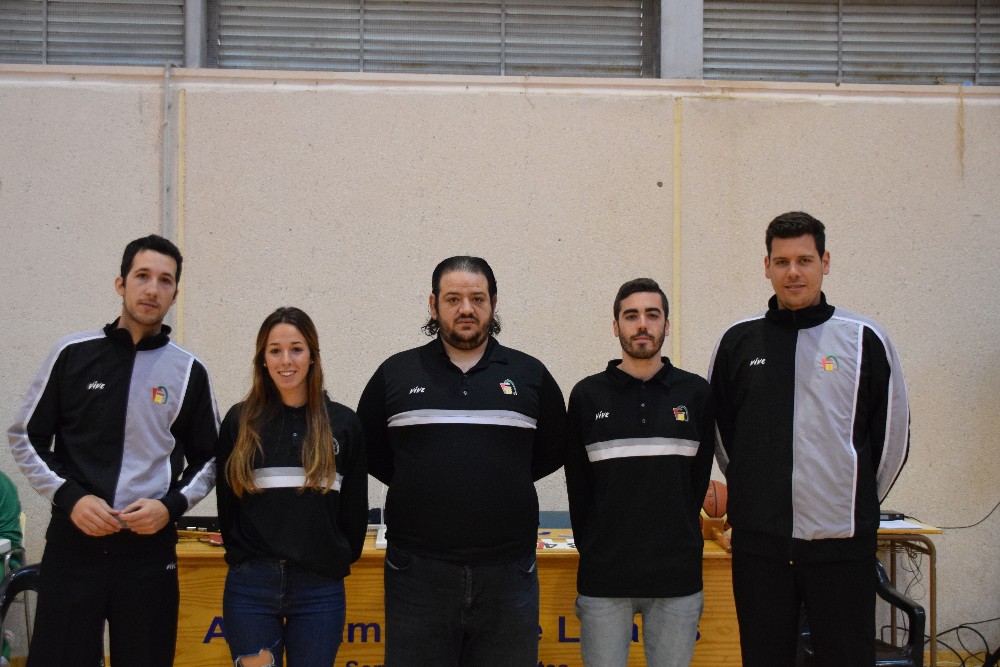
(281, 608)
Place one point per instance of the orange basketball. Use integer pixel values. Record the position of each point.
(715, 499)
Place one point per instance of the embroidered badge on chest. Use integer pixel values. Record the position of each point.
(507, 386)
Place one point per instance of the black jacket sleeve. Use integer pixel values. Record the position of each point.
(579, 476)
(701, 468)
(550, 429)
(226, 502)
(353, 511)
(886, 426)
(374, 422)
(722, 405)
(32, 437)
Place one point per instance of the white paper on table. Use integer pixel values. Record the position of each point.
(899, 524)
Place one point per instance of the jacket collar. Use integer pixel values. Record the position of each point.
(804, 318)
(495, 353)
(123, 337)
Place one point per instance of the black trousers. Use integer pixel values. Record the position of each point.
(136, 594)
(839, 600)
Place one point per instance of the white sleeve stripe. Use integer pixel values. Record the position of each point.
(484, 417)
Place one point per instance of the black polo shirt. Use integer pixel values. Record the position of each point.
(639, 456)
(461, 451)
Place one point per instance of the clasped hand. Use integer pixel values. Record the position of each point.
(96, 518)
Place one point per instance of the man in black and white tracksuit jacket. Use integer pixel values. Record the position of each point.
(103, 434)
(813, 429)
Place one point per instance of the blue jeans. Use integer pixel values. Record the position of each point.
(441, 614)
(669, 629)
(278, 607)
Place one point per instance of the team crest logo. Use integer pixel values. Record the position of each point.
(681, 413)
(829, 363)
(159, 395)
(507, 386)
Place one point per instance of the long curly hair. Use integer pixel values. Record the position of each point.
(467, 264)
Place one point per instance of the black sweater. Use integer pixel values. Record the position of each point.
(461, 451)
(323, 533)
(639, 455)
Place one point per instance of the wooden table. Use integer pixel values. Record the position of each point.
(202, 573)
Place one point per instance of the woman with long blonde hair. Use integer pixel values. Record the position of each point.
(293, 503)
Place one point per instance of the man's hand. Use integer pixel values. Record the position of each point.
(145, 516)
(95, 517)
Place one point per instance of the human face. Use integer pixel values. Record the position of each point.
(641, 326)
(796, 271)
(147, 292)
(463, 309)
(287, 358)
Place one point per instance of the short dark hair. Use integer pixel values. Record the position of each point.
(640, 285)
(793, 225)
(468, 264)
(156, 244)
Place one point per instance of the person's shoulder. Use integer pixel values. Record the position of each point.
(405, 357)
(77, 346)
(740, 328)
(7, 485)
(591, 388)
(591, 383)
(229, 430)
(79, 338)
(839, 314)
(514, 356)
(679, 375)
(339, 413)
(179, 349)
(233, 414)
(874, 333)
(746, 322)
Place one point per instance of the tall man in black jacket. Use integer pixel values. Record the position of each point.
(104, 433)
(813, 429)
(460, 429)
(638, 459)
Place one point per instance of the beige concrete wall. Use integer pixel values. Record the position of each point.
(339, 193)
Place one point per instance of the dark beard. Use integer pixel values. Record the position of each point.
(652, 350)
(471, 342)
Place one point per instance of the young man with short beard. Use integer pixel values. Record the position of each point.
(460, 429)
(103, 434)
(638, 459)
